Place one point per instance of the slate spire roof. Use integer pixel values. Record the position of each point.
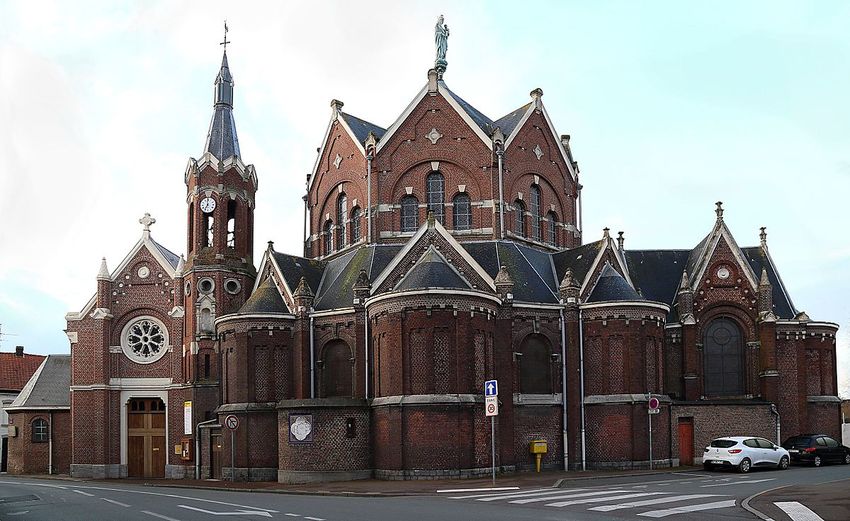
(612, 287)
(221, 138)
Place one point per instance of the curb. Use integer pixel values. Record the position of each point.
(758, 513)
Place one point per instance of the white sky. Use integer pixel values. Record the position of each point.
(671, 106)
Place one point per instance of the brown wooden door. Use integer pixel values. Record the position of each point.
(146, 451)
(686, 441)
(215, 459)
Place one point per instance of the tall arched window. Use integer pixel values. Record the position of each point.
(336, 370)
(462, 212)
(341, 214)
(435, 192)
(355, 224)
(552, 228)
(231, 223)
(535, 367)
(519, 220)
(724, 359)
(328, 237)
(409, 213)
(534, 209)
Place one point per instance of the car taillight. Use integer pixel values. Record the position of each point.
(734, 451)
(810, 450)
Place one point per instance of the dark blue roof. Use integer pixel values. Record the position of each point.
(612, 287)
(485, 123)
(361, 128)
(171, 257)
(432, 271)
(508, 122)
(782, 306)
(293, 268)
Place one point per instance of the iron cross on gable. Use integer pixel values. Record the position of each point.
(225, 41)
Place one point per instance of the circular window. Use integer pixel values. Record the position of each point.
(144, 340)
(144, 272)
(232, 286)
(206, 285)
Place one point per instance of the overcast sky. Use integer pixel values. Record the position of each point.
(671, 107)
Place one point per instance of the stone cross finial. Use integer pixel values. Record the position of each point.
(147, 221)
(719, 210)
(605, 234)
(763, 236)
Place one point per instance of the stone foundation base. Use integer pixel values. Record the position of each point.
(249, 474)
(628, 465)
(294, 477)
(110, 471)
(179, 471)
(420, 474)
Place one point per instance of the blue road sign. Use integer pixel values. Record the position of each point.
(491, 388)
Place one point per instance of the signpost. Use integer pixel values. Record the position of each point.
(652, 407)
(232, 423)
(491, 409)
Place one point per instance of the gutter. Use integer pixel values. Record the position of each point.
(564, 389)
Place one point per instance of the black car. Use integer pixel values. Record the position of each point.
(816, 449)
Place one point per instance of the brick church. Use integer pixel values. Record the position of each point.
(441, 251)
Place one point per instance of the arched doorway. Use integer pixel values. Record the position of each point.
(146, 451)
(724, 359)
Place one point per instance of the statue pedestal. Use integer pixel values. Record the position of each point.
(440, 67)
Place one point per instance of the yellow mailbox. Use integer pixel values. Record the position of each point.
(538, 448)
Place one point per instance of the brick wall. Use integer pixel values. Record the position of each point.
(29, 457)
(720, 420)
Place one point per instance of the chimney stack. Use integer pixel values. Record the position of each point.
(19, 350)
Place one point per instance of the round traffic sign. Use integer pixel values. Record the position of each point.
(491, 408)
(231, 422)
(654, 403)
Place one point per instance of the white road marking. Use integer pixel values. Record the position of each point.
(645, 502)
(84, 493)
(292, 515)
(22, 512)
(120, 504)
(602, 499)
(739, 482)
(237, 513)
(538, 492)
(798, 511)
(690, 508)
(312, 518)
(476, 489)
(160, 516)
(568, 496)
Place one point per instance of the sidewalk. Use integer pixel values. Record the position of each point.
(373, 487)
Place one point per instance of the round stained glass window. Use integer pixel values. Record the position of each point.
(144, 340)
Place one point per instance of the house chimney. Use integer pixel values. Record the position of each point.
(19, 350)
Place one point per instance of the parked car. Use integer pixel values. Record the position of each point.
(816, 449)
(743, 453)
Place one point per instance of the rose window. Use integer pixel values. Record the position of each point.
(145, 340)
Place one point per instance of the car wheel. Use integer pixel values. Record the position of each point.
(817, 461)
(783, 463)
(847, 459)
(709, 467)
(744, 466)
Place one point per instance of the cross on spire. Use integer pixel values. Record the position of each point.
(225, 41)
(147, 221)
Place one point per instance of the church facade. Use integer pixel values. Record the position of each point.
(442, 251)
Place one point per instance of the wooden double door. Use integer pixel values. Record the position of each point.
(146, 438)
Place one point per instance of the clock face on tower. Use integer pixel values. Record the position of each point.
(207, 204)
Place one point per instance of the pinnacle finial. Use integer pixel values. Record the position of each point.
(763, 236)
(103, 272)
(271, 245)
(764, 281)
(224, 41)
(719, 210)
(605, 234)
(181, 264)
(147, 221)
(684, 284)
(620, 241)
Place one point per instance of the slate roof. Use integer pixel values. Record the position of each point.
(612, 287)
(49, 386)
(15, 370)
(361, 128)
(340, 275)
(509, 121)
(485, 123)
(579, 259)
(293, 268)
(266, 299)
(782, 305)
(432, 271)
(170, 256)
(222, 141)
(657, 274)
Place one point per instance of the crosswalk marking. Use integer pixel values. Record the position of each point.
(744, 482)
(798, 511)
(508, 494)
(646, 502)
(689, 508)
(532, 494)
(491, 489)
(568, 496)
(601, 499)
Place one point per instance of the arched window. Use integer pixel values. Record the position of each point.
(409, 213)
(534, 209)
(724, 359)
(209, 229)
(341, 214)
(355, 224)
(435, 190)
(519, 220)
(552, 228)
(191, 227)
(336, 370)
(535, 367)
(231, 223)
(328, 237)
(462, 212)
(40, 430)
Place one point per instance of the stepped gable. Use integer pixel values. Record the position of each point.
(612, 287)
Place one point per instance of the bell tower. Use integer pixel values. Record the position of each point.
(219, 271)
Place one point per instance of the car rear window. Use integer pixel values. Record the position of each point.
(798, 441)
(723, 444)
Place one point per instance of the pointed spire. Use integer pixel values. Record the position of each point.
(504, 283)
(719, 210)
(764, 281)
(763, 237)
(684, 284)
(222, 141)
(181, 265)
(103, 273)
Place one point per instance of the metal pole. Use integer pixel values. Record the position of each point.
(232, 457)
(650, 438)
(493, 445)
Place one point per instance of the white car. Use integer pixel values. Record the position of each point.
(744, 453)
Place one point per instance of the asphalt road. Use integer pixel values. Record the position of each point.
(696, 495)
